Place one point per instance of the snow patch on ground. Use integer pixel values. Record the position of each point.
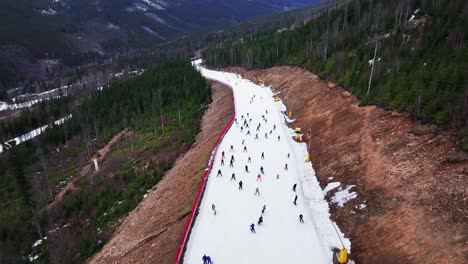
(343, 195)
(330, 186)
(36, 132)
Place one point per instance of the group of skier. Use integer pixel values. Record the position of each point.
(246, 120)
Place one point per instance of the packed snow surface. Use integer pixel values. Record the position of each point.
(226, 236)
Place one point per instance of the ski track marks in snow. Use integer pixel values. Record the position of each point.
(226, 237)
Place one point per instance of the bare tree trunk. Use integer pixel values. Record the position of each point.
(160, 112)
(326, 36)
(36, 224)
(373, 65)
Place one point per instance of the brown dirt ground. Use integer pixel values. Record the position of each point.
(152, 232)
(415, 192)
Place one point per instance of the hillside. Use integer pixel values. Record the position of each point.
(134, 128)
(69, 32)
(404, 55)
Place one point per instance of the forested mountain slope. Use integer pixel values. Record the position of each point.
(35, 35)
(135, 128)
(421, 58)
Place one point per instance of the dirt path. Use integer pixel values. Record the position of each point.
(152, 232)
(86, 169)
(415, 195)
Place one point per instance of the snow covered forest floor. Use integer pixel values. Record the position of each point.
(226, 236)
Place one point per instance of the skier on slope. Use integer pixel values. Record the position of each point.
(301, 218)
(294, 187)
(232, 148)
(257, 192)
(248, 132)
(277, 176)
(274, 127)
(295, 200)
(286, 166)
(222, 154)
(233, 177)
(263, 155)
(259, 177)
(222, 162)
(289, 155)
(279, 138)
(260, 220)
(246, 168)
(206, 259)
(266, 135)
(213, 207)
(240, 185)
(249, 160)
(232, 157)
(264, 208)
(252, 228)
(261, 170)
(256, 136)
(245, 148)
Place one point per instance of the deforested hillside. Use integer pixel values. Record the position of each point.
(406, 55)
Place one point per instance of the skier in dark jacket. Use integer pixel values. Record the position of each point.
(206, 259)
(263, 155)
(260, 220)
(233, 177)
(232, 148)
(264, 208)
(240, 185)
(301, 218)
(294, 187)
(231, 164)
(246, 168)
(295, 200)
(219, 174)
(261, 170)
(222, 162)
(252, 228)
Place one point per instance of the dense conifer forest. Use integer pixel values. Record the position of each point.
(418, 46)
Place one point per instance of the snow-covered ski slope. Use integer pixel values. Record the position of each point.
(226, 236)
